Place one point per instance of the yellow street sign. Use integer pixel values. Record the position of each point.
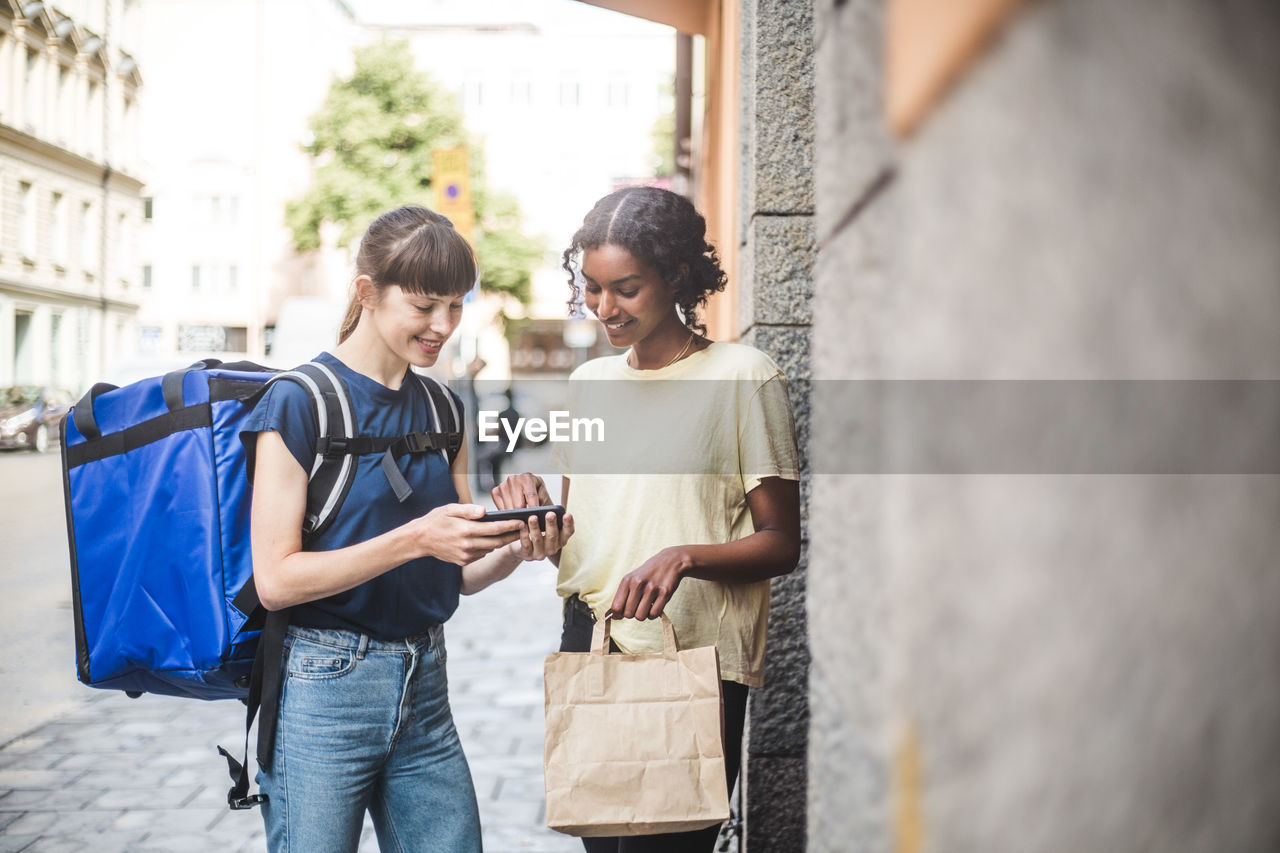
(452, 189)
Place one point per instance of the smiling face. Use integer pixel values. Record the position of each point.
(414, 326)
(627, 295)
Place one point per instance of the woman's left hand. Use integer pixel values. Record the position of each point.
(643, 593)
(538, 544)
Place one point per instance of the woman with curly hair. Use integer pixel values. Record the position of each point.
(700, 541)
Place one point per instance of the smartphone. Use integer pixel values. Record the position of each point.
(524, 513)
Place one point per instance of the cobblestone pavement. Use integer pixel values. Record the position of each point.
(120, 774)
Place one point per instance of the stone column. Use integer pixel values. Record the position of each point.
(849, 775)
(18, 77)
(775, 285)
(6, 80)
(1053, 657)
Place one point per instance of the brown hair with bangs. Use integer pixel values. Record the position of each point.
(417, 249)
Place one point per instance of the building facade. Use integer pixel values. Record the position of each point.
(222, 148)
(70, 196)
(222, 152)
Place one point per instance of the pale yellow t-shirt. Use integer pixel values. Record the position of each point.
(681, 448)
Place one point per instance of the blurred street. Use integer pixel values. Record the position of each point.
(86, 769)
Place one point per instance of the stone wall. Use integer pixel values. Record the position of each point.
(1036, 660)
(775, 289)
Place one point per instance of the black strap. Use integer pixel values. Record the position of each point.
(263, 701)
(138, 435)
(414, 443)
(447, 437)
(86, 421)
(82, 412)
(171, 384)
(264, 695)
(246, 601)
(444, 404)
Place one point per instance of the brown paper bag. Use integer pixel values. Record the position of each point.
(635, 743)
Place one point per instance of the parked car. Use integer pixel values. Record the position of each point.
(31, 416)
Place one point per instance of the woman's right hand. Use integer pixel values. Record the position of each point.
(452, 534)
(521, 490)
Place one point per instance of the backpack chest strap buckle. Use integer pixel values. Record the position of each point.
(422, 442)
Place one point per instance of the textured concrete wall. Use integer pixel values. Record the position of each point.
(1046, 662)
(848, 767)
(776, 287)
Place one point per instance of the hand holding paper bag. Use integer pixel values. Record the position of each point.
(634, 743)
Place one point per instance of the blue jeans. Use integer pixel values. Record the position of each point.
(365, 725)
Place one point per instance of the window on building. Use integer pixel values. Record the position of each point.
(233, 279)
(619, 91)
(55, 348)
(27, 220)
(88, 238)
(93, 141)
(23, 348)
(148, 208)
(521, 89)
(124, 240)
(195, 278)
(64, 105)
(59, 230)
(193, 338)
(129, 126)
(570, 91)
(149, 339)
(146, 276)
(31, 99)
(237, 338)
(473, 90)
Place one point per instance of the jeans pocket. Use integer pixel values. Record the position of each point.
(311, 660)
(436, 632)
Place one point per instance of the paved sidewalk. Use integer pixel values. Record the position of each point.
(120, 774)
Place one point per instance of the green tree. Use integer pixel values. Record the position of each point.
(372, 140)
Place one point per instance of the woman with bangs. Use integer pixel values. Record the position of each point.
(363, 717)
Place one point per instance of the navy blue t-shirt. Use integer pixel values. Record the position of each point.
(408, 599)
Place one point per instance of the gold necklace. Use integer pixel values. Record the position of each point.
(674, 358)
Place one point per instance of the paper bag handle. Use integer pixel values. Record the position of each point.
(600, 637)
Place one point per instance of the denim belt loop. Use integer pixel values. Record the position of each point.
(435, 637)
(364, 647)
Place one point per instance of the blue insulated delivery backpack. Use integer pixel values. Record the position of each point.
(157, 503)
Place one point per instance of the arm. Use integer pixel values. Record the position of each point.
(286, 575)
(773, 550)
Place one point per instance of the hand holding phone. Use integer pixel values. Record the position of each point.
(524, 513)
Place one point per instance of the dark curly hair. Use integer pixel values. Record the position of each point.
(661, 229)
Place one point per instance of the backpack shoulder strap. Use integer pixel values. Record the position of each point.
(333, 469)
(447, 412)
(329, 481)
